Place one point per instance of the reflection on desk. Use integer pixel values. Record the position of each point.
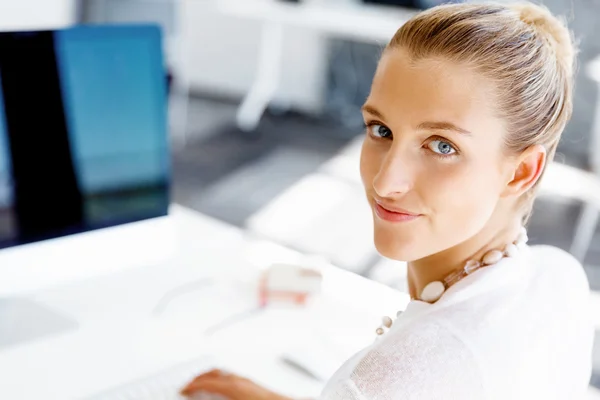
(120, 339)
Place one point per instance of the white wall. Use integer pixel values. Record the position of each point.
(222, 53)
(36, 14)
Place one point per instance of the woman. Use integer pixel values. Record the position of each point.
(465, 112)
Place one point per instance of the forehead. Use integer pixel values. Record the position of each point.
(430, 90)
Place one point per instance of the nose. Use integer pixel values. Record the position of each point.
(393, 178)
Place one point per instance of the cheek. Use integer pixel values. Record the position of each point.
(463, 194)
(370, 162)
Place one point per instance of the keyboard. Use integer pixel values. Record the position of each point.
(164, 385)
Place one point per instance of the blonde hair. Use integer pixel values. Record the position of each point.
(526, 52)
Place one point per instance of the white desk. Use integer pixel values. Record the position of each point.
(119, 339)
(364, 22)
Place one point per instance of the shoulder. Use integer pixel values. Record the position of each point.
(421, 362)
(553, 264)
(553, 254)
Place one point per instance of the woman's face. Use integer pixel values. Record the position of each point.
(432, 162)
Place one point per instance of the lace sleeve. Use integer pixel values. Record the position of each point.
(427, 362)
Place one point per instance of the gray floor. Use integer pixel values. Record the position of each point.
(266, 182)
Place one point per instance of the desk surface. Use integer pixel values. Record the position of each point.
(120, 337)
(359, 21)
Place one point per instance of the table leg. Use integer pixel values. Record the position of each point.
(584, 231)
(594, 156)
(178, 113)
(267, 77)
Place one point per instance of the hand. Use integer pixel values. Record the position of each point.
(231, 386)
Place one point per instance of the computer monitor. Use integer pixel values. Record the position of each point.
(83, 146)
(83, 131)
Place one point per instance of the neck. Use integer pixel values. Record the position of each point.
(436, 266)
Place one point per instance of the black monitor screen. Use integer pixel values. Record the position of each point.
(83, 130)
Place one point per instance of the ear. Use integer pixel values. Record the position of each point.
(528, 169)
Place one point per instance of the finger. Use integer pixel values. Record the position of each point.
(215, 385)
(215, 373)
(212, 373)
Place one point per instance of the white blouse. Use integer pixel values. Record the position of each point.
(519, 329)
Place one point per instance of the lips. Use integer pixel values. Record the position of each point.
(394, 214)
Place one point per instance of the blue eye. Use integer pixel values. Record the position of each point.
(441, 147)
(380, 131)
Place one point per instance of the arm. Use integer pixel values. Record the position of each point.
(425, 362)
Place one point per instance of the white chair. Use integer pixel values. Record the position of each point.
(565, 181)
(573, 183)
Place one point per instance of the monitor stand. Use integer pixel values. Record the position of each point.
(23, 320)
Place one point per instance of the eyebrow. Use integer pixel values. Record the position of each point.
(433, 125)
(373, 111)
(443, 126)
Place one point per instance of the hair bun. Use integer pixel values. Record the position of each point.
(552, 29)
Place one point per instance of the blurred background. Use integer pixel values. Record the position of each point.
(265, 119)
(292, 175)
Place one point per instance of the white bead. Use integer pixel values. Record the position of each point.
(471, 266)
(387, 321)
(511, 250)
(433, 291)
(522, 238)
(492, 257)
(380, 331)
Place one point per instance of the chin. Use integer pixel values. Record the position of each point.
(397, 253)
(398, 247)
